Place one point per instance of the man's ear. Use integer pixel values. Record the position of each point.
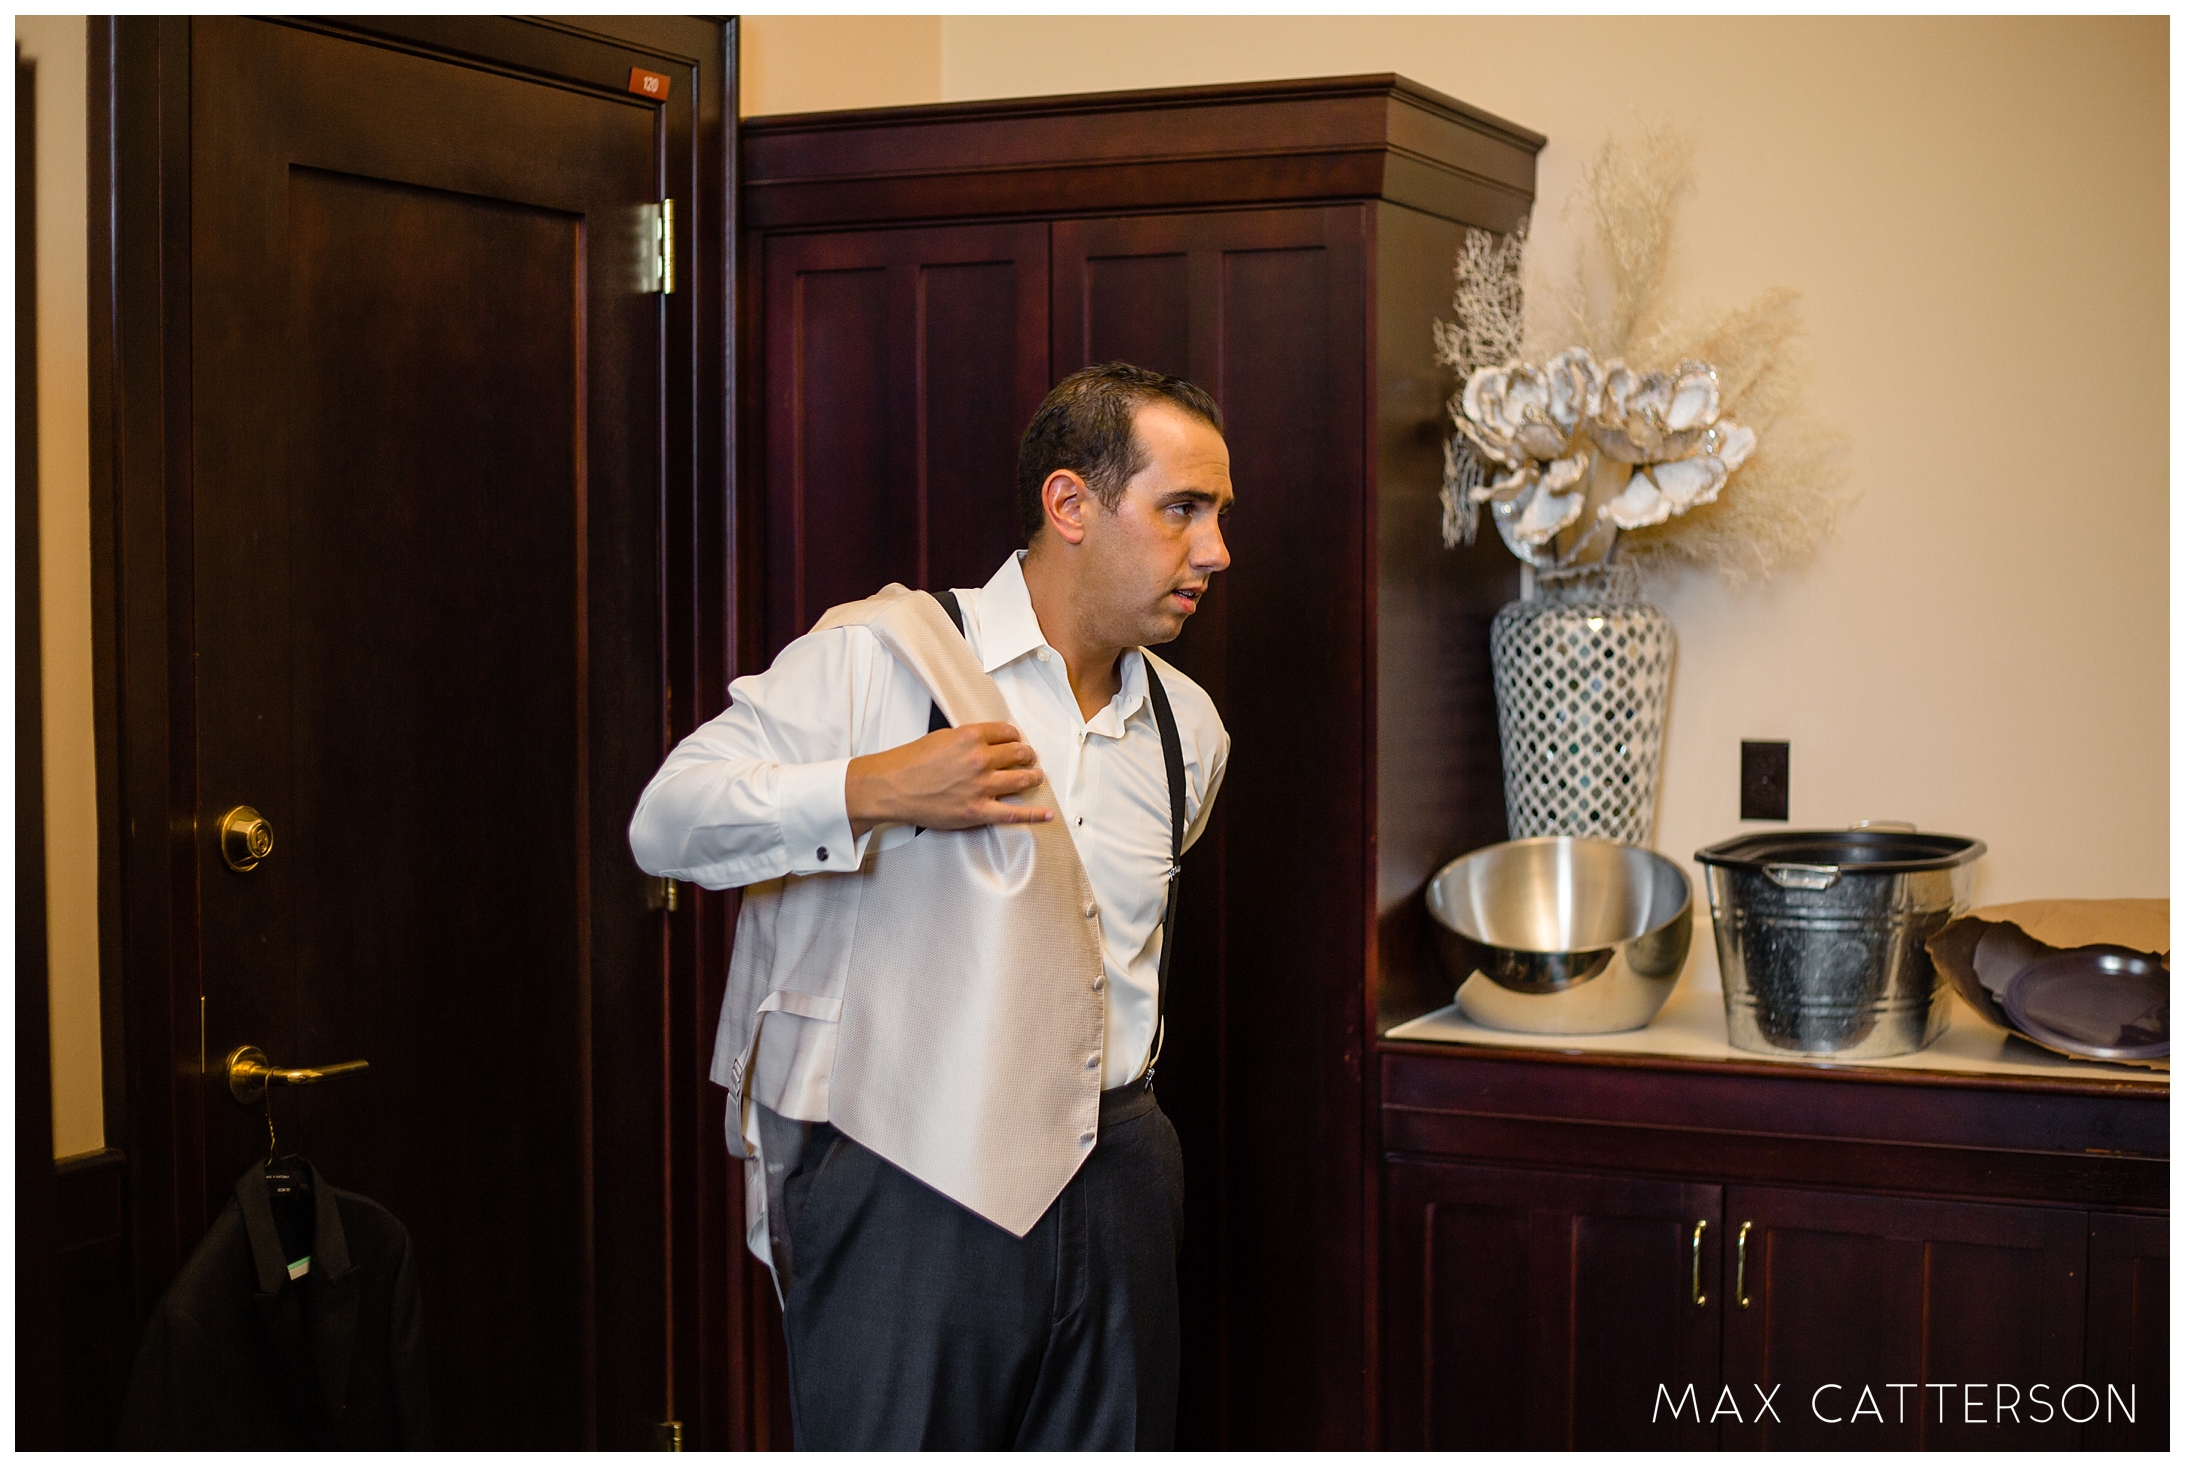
(1066, 497)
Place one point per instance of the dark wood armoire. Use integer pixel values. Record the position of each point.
(912, 281)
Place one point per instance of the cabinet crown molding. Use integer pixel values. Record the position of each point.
(1257, 143)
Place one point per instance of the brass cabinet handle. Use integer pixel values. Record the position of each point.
(1744, 1301)
(1699, 1231)
(249, 1072)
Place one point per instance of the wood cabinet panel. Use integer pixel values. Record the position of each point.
(901, 366)
(1877, 1305)
(1266, 310)
(1437, 745)
(2099, 1144)
(1548, 1311)
(981, 346)
(2128, 1331)
(1132, 308)
(1965, 1306)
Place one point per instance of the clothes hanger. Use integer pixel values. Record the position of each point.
(289, 1193)
(251, 1079)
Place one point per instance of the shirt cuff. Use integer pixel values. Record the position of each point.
(815, 818)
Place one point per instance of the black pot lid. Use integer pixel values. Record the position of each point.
(1847, 850)
(2102, 1002)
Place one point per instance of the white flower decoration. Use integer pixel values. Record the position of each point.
(1731, 443)
(1517, 412)
(1544, 429)
(1656, 417)
(1574, 391)
(1658, 491)
(1534, 503)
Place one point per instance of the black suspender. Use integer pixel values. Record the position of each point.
(1172, 755)
(939, 720)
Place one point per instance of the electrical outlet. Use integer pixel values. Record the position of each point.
(1763, 781)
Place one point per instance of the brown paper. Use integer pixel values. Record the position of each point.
(2140, 924)
(1983, 950)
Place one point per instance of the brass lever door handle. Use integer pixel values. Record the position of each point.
(1699, 1231)
(1744, 1301)
(249, 1073)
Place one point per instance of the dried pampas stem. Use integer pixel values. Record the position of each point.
(1774, 515)
(1633, 196)
(1787, 500)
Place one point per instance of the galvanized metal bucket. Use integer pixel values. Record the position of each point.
(1822, 936)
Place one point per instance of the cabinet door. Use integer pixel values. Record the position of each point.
(1549, 1311)
(1888, 1322)
(2128, 1331)
(1267, 310)
(901, 368)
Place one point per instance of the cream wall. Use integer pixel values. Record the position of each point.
(1976, 210)
(800, 63)
(56, 44)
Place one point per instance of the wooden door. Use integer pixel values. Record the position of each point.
(901, 367)
(1549, 1311)
(1266, 309)
(2128, 1331)
(1965, 1306)
(398, 411)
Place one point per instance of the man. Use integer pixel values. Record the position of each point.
(929, 1304)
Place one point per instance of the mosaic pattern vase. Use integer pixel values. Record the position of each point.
(1582, 688)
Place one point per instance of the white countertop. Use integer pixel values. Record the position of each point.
(1692, 1026)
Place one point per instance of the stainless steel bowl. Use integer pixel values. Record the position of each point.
(1562, 935)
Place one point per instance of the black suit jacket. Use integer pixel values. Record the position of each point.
(239, 1355)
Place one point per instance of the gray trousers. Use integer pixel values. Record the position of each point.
(914, 1323)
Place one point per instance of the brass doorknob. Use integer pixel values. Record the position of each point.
(249, 1072)
(245, 838)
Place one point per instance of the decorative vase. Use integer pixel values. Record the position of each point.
(1582, 690)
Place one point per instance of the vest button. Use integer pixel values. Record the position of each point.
(1086, 1139)
(1092, 909)
(1092, 1062)
(1100, 981)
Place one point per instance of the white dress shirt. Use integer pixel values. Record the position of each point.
(758, 793)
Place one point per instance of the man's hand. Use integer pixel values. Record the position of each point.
(950, 780)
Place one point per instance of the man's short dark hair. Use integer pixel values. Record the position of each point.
(1085, 426)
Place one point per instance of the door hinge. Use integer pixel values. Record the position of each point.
(660, 894)
(668, 1436)
(664, 244)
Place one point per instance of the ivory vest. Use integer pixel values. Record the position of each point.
(961, 971)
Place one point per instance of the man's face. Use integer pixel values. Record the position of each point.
(1154, 553)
